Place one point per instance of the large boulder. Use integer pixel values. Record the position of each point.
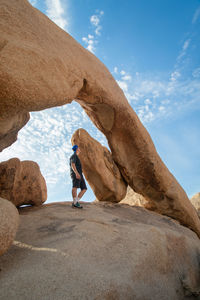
(42, 66)
(108, 251)
(9, 221)
(21, 182)
(99, 168)
(196, 202)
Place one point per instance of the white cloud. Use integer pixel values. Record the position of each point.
(33, 2)
(95, 21)
(91, 48)
(196, 15)
(127, 78)
(85, 39)
(56, 12)
(147, 101)
(186, 44)
(184, 50)
(174, 76)
(165, 102)
(123, 85)
(115, 70)
(90, 42)
(90, 36)
(161, 108)
(98, 30)
(196, 73)
(145, 114)
(154, 97)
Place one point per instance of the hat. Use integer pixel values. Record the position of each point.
(74, 148)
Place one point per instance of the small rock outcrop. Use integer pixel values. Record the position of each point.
(21, 182)
(99, 168)
(134, 199)
(196, 202)
(9, 221)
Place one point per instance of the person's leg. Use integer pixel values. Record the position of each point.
(80, 195)
(75, 186)
(83, 188)
(74, 194)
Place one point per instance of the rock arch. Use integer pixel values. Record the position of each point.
(42, 66)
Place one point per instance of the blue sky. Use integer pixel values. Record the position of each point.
(152, 48)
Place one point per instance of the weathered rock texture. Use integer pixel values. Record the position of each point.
(99, 168)
(42, 66)
(106, 251)
(196, 202)
(134, 199)
(9, 221)
(10, 126)
(21, 182)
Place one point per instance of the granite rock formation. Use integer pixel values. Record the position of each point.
(108, 251)
(196, 202)
(21, 182)
(42, 66)
(99, 168)
(134, 199)
(9, 221)
(10, 126)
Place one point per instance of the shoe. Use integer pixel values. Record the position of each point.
(77, 205)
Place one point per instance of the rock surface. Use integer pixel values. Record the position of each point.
(134, 199)
(105, 251)
(99, 168)
(196, 202)
(21, 182)
(9, 128)
(9, 221)
(42, 66)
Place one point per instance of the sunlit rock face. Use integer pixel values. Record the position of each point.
(134, 199)
(107, 251)
(196, 202)
(42, 66)
(21, 182)
(99, 168)
(9, 221)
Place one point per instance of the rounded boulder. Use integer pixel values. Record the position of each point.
(9, 221)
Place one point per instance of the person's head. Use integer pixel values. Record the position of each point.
(76, 149)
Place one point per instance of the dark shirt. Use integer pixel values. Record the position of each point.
(75, 159)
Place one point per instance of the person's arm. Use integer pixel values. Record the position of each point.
(75, 170)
